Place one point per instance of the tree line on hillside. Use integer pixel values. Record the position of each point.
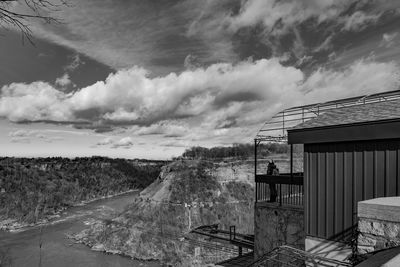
(30, 189)
(240, 151)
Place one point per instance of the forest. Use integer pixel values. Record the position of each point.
(237, 151)
(32, 188)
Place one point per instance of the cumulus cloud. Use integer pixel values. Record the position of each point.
(63, 80)
(25, 136)
(166, 128)
(24, 140)
(132, 97)
(362, 77)
(33, 102)
(125, 142)
(176, 143)
(222, 101)
(105, 141)
(20, 133)
(115, 142)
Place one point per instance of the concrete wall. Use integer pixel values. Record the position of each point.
(275, 225)
(378, 224)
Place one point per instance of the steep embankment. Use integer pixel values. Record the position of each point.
(33, 190)
(186, 195)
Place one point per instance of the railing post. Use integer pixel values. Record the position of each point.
(255, 168)
(291, 171)
(232, 232)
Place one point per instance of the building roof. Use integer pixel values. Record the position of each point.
(379, 111)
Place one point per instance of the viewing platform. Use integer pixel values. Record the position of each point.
(283, 189)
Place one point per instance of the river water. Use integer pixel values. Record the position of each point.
(57, 250)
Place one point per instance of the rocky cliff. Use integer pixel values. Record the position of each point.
(33, 190)
(187, 194)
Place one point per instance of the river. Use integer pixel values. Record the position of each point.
(57, 250)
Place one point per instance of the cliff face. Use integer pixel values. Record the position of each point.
(32, 190)
(187, 194)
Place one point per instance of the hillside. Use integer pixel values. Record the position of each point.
(186, 195)
(35, 189)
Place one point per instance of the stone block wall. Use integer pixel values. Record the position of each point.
(378, 224)
(277, 225)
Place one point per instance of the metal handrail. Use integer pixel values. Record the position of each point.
(291, 117)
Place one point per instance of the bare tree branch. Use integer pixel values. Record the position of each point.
(36, 9)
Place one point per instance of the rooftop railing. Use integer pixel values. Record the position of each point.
(275, 129)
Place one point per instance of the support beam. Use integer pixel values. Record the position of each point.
(255, 166)
(291, 169)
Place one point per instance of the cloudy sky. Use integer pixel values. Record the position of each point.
(150, 78)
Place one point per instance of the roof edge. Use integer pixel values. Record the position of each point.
(343, 125)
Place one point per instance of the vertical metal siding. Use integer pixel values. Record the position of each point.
(391, 173)
(339, 192)
(306, 170)
(339, 175)
(321, 198)
(348, 167)
(330, 190)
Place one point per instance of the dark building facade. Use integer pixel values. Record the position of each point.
(350, 154)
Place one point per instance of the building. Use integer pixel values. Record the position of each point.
(351, 150)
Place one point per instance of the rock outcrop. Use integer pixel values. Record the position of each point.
(187, 194)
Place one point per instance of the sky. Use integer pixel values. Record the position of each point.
(149, 79)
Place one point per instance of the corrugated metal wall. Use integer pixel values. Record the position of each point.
(339, 175)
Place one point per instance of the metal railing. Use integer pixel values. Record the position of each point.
(275, 129)
(291, 256)
(283, 189)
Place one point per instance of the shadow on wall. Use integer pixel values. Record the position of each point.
(339, 247)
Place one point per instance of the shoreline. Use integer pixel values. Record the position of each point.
(13, 226)
(85, 202)
(100, 248)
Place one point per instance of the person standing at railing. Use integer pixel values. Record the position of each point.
(272, 170)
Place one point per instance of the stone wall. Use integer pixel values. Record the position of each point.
(277, 225)
(378, 224)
